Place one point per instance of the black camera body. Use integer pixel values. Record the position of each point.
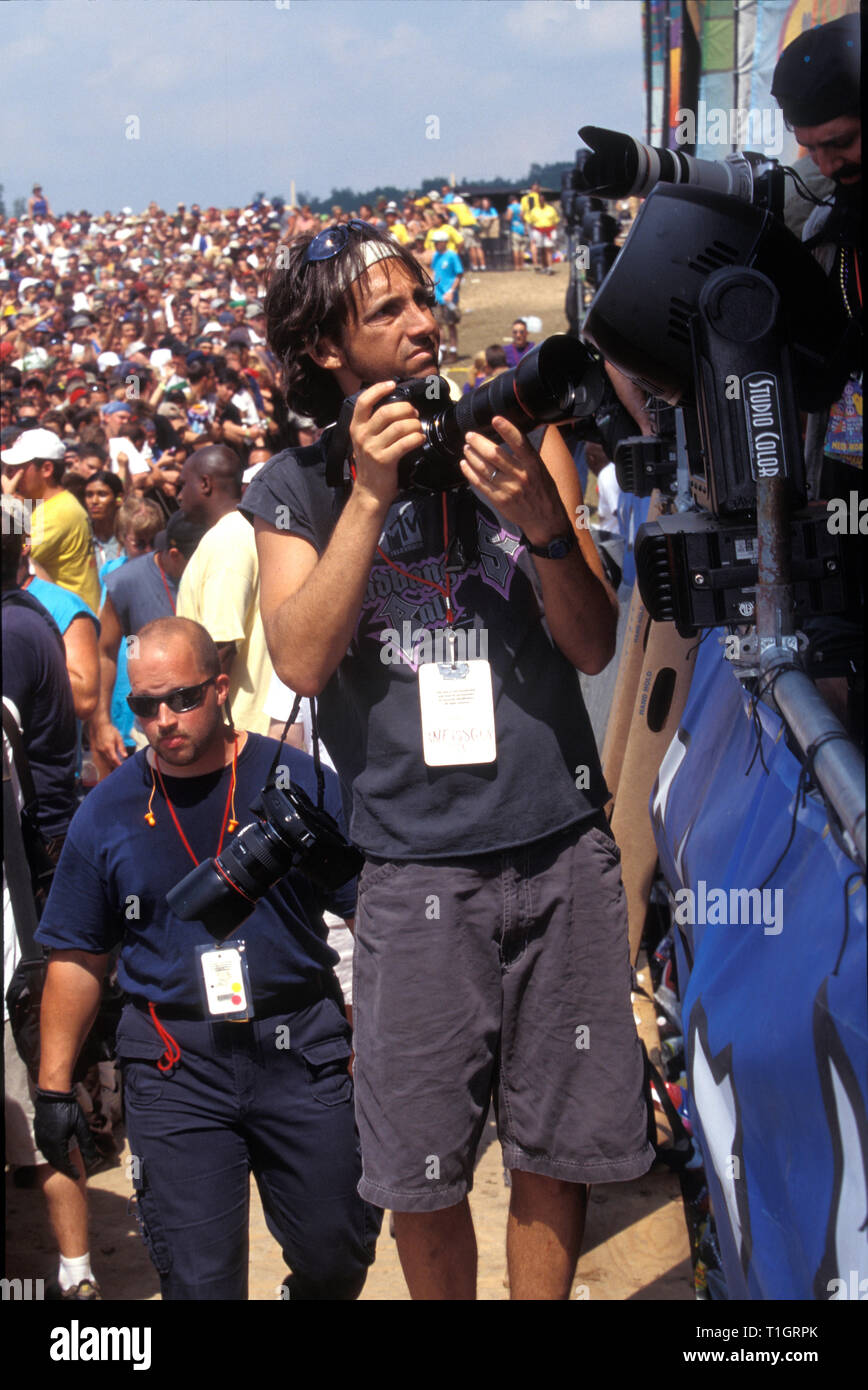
(560, 379)
(426, 469)
(289, 833)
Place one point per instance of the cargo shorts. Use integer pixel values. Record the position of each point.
(502, 976)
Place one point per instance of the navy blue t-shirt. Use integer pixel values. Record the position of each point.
(35, 678)
(115, 871)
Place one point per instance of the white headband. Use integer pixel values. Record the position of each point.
(371, 252)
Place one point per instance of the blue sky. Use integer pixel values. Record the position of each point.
(232, 96)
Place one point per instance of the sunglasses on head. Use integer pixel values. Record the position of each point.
(179, 701)
(331, 240)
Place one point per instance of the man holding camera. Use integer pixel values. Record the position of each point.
(234, 1052)
(491, 952)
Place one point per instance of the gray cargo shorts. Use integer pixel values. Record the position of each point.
(502, 975)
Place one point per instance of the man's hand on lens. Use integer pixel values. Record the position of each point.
(381, 436)
(516, 481)
(57, 1119)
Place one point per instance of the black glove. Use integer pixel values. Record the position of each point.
(58, 1117)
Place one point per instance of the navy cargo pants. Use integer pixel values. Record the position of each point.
(271, 1096)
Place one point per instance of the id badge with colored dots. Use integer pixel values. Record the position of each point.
(225, 981)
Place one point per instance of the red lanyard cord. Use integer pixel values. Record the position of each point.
(230, 795)
(446, 590)
(172, 1054)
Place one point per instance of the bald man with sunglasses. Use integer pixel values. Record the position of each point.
(210, 1095)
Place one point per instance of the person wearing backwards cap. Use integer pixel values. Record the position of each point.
(60, 533)
(816, 84)
(126, 459)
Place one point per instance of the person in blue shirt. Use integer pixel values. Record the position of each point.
(79, 628)
(137, 590)
(446, 271)
(37, 695)
(208, 1097)
(518, 238)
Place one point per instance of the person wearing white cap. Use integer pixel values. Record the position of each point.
(61, 540)
(395, 226)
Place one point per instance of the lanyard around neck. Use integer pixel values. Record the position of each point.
(226, 823)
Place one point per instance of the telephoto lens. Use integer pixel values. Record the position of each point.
(290, 833)
(558, 380)
(622, 167)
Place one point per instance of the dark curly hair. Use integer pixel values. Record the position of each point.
(309, 301)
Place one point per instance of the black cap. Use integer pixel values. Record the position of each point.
(817, 76)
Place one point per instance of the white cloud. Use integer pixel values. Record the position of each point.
(563, 28)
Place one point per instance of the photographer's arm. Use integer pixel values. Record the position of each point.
(310, 605)
(70, 1002)
(541, 493)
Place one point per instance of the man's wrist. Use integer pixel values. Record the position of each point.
(543, 530)
(551, 547)
(374, 507)
(54, 1083)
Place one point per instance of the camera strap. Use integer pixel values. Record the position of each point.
(317, 761)
(444, 589)
(227, 823)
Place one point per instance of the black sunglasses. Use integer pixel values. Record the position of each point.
(331, 240)
(179, 701)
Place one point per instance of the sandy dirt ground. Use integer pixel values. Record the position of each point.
(490, 300)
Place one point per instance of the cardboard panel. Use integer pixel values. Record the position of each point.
(626, 684)
(665, 670)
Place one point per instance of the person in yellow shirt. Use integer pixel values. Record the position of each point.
(60, 533)
(220, 585)
(466, 219)
(453, 236)
(542, 221)
(530, 204)
(394, 225)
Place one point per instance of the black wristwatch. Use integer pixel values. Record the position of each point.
(556, 549)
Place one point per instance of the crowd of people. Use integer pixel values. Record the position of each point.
(139, 336)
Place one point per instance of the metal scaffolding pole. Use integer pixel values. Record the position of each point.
(837, 763)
